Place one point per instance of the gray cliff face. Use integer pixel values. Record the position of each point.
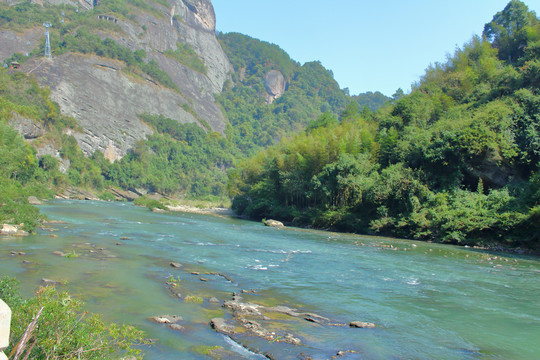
(198, 13)
(192, 23)
(275, 85)
(106, 102)
(24, 43)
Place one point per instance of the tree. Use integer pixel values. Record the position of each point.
(508, 30)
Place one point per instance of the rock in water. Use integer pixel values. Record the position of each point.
(166, 319)
(221, 326)
(274, 223)
(177, 327)
(9, 229)
(362, 325)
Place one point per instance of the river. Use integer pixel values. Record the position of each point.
(429, 301)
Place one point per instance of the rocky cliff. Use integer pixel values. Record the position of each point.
(106, 100)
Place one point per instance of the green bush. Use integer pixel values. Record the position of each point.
(185, 54)
(64, 330)
(149, 203)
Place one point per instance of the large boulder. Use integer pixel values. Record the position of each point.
(13, 230)
(26, 127)
(274, 223)
(275, 85)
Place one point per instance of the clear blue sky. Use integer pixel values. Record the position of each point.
(369, 45)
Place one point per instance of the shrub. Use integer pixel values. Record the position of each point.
(149, 203)
(63, 330)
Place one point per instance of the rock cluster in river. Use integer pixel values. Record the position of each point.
(268, 330)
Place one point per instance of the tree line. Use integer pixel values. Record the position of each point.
(456, 160)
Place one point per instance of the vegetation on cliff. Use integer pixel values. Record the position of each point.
(21, 173)
(311, 91)
(456, 160)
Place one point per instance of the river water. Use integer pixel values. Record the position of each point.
(428, 301)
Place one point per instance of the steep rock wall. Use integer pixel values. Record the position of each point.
(107, 102)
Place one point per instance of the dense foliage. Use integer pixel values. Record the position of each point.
(21, 174)
(311, 91)
(456, 160)
(178, 158)
(372, 100)
(63, 330)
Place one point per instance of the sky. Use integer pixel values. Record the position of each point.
(371, 45)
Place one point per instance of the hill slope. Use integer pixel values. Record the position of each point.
(456, 160)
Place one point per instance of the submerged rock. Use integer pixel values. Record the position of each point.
(177, 327)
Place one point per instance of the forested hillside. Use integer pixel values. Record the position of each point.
(179, 160)
(309, 90)
(456, 160)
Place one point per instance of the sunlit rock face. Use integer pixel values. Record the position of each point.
(275, 85)
(107, 100)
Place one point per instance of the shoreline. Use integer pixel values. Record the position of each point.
(221, 211)
(227, 212)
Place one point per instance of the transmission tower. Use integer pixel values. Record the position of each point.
(47, 41)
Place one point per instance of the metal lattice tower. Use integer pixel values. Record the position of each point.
(48, 53)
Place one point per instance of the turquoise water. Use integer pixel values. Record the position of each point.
(429, 301)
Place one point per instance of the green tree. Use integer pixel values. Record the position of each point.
(508, 30)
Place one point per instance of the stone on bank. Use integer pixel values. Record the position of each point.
(5, 320)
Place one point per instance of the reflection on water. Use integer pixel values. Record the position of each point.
(429, 301)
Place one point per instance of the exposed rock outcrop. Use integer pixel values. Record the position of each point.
(26, 127)
(23, 42)
(12, 230)
(249, 319)
(106, 101)
(275, 85)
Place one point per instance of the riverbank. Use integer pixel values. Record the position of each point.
(220, 207)
(197, 210)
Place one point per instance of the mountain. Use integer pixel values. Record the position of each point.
(115, 60)
(141, 96)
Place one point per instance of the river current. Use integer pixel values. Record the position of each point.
(429, 301)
